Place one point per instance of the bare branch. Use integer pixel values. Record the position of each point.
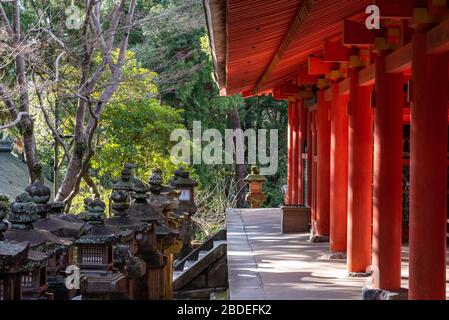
(116, 15)
(16, 21)
(6, 98)
(15, 122)
(5, 20)
(126, 32)
(47, 119)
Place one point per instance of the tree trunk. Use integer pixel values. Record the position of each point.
(240, 169)
(26, 124)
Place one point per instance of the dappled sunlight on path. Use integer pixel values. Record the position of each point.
(265, 264)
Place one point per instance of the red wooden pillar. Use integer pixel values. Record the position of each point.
(302, 141)
(295, 164)
(359, 176)
(323, 166)
(428, 173)
(290, 154)
(387, 188)
(339, 172)
(314, 168)
(309, 159)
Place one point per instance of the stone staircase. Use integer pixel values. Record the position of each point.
(203, 271)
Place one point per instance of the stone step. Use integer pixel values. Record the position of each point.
(176, 274)
(218, 242)
(188, 264)
(202, 254)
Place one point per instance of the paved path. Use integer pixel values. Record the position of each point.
(265, 264)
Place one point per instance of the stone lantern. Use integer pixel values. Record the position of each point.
(126, 178)
(43, 245)
(186, 188)
(126, 258)
(95, 256)
(150, 246)
(255, 196)
(165, 204)
(12, 256)
(176, 216)
(46, 220)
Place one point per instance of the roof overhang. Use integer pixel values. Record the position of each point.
(215, 11)
(257, 45)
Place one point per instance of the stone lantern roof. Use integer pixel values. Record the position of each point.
(22, 216)
(16, 257)
(127, 178)
(182, 179)
(12, 254)
(100, 233)
(40, 195)
(140, 208)
(121, 218)
(162, 202)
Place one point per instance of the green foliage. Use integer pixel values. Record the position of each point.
(177, 47)
(138, 132)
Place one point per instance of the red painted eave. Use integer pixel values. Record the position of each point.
(255, 30)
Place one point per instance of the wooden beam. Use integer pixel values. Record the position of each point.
(367, 75)
(289, 89)
(344, 86)
(304, 77)
(335, 52)
(318, 67)
(355, 34)
(437, 7)
(395, 9)
(399, 60)
(438, 38)
(328, 95)
(301, 16)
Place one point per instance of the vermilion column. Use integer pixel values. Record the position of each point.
(387, 189)
(339, 172)
(428, 173)
(323, 166)
(295, 164)
(290, 153)
(309, 159)
(302, 140)
(314, 169)
(359, 176)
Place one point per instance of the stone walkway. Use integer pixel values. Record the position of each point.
(267, 265)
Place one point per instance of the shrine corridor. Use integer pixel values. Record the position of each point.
(265, 264)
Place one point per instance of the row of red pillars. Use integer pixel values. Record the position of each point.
(355, 172)
(297, 135)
